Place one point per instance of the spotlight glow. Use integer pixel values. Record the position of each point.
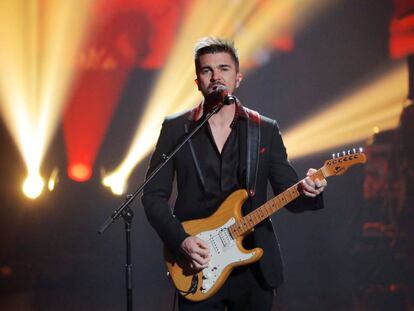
(254, 25)
(116, 182)
(38, 44)
(33, 186)
(79, 172)
(53, 179)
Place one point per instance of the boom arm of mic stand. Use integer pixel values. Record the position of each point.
(165, 158)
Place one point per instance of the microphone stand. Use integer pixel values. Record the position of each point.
(127, 214)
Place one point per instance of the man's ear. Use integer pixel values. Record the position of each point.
(239, 78)
(196, 82)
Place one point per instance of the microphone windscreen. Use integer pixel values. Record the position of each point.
(223, 90)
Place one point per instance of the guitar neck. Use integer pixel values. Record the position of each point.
(248, 222)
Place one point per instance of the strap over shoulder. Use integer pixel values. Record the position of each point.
(253, 147)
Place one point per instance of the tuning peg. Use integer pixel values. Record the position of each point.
(361, 149)
(338, 155)
(349, 152)
(354, 150)
(333, 155)
(343, 153)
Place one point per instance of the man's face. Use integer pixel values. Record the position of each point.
(217, 69)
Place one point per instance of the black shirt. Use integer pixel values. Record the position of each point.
(224, 172)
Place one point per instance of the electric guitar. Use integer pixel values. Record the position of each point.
(225, 230)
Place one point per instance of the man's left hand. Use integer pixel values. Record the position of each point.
(312, 188)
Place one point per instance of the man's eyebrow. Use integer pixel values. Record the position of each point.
(219, 66)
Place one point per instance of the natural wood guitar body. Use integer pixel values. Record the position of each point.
(230, 209)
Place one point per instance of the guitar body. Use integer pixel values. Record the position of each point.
(226, 252)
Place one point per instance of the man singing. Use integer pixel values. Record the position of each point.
(238, 148)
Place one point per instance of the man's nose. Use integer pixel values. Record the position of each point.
(215, 75)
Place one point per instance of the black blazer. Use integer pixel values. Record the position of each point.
(187, 168)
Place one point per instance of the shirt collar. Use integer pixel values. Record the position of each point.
(240, 112)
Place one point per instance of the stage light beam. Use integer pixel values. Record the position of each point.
(39, 40)
(375, 106)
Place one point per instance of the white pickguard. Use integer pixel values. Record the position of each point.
(224, 251)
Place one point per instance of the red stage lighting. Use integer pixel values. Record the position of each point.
(402, 29)
(125, 34)
(79, 172)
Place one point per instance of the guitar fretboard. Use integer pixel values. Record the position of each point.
(248, 222)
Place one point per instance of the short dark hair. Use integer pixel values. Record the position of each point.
(211, 45)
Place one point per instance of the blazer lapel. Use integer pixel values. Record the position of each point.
(195, 144)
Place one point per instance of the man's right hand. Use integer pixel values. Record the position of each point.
(197, 252)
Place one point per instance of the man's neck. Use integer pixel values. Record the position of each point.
(224, 117)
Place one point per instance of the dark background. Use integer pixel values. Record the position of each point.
(59, 262)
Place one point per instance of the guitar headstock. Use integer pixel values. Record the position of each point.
(340, 162)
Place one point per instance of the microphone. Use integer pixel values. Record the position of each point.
(225, 96)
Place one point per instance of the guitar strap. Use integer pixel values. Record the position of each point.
(253, 145)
